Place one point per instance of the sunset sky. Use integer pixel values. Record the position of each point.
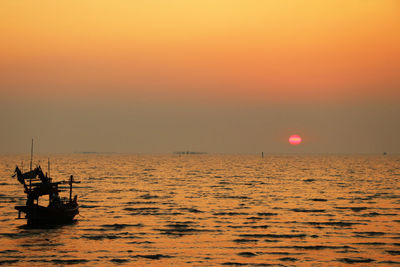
(218, 76)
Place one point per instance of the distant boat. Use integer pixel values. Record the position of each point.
(36, 184)
(189, 153)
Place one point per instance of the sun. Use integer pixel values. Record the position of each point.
(295, 139)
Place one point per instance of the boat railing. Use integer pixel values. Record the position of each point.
(64, 200)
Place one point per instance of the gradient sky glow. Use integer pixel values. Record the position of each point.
(217, 76)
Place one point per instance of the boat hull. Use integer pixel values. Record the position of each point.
(39, 215)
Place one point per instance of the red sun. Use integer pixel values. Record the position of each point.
(295, 139)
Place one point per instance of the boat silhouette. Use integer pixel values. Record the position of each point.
(37, 184)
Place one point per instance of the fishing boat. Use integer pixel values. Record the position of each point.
(37, 184)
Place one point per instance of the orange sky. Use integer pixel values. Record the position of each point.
(209, 75)
(219, 49)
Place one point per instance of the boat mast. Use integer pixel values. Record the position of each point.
(71, 178)
(48, 166)
(31, 154)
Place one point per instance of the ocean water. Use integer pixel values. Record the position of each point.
(212, 210)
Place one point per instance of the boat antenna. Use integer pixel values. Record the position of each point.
(31, 154)
(71, 180)
(48, 166)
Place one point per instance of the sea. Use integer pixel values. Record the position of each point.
(211, 210)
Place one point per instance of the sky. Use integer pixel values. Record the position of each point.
(215, 76)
